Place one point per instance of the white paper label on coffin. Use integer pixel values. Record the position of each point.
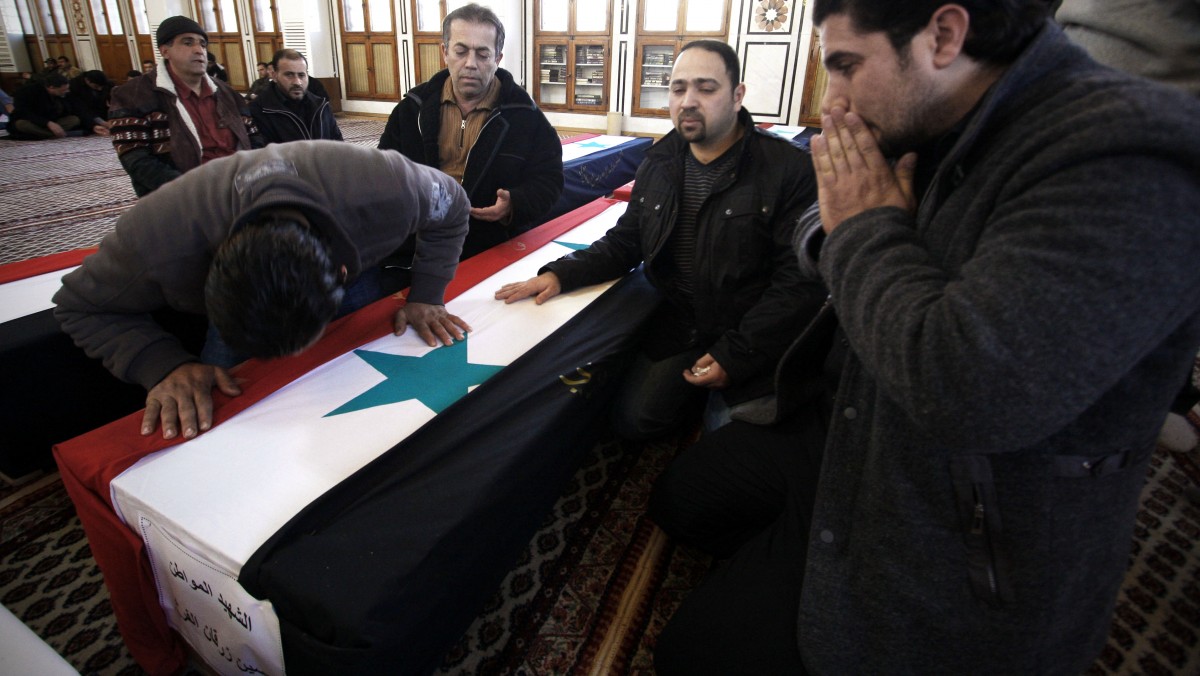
(221, 495)
(211, 610)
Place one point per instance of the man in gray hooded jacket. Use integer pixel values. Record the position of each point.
(288, 236)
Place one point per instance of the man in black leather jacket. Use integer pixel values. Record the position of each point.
(475, 123)
(712, 213)
(286, 110)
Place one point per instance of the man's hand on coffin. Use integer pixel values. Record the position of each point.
(543, 287)
(431, 322)
(183, 400)
(706, 372)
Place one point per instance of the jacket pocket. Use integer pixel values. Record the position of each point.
(741, 235)
(656, 209)
(982, 529)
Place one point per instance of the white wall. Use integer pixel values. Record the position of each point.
(318, 26)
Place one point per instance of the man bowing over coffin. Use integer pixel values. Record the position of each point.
(269, 245)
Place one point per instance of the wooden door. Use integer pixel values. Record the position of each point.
(111, 44)
(220, 20)
(372, 70)
(268, 38)
(427, 38)
(144, 47)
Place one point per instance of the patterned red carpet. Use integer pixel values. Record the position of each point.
(592, 588)
(598, 581)
(595, 584)
(67, 193)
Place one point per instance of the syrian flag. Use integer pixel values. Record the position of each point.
(357, 503)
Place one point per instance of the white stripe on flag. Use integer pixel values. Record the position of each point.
(578, 149)
(31, 295)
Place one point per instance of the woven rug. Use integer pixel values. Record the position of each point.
(65, 194)
(598, 581)
(592, 588)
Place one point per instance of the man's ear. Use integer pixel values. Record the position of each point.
(949, 26)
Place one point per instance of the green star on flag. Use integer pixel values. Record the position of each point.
(437, 379)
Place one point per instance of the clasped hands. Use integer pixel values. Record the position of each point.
(853, 176)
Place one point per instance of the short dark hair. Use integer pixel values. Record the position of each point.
(272, 287)
(55, 80)
(96, 77)
(722, 49)
(999, 30)
(474, 13)
(264, 64)
(289, 54)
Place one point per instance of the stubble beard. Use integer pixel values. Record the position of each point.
(918, 121)
(470, 90)
(697, 136)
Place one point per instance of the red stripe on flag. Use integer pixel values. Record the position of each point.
(11, 272)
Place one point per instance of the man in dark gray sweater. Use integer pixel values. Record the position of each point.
(1008, 231)
(269, 245)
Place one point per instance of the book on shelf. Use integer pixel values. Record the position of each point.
(552, 54)
(588, 99)
(591, 54)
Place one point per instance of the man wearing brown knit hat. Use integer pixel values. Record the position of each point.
(177, 118)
